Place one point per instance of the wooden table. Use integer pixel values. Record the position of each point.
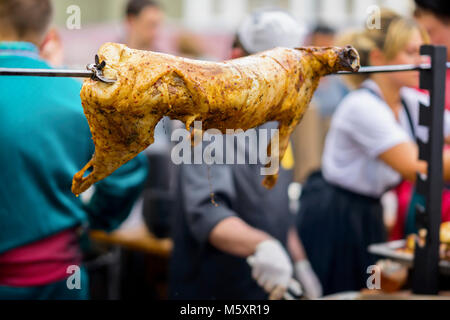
(135, 238)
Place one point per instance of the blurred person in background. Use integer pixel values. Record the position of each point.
(45, 140)
(143, 20)
(322, 36)
(213, 240)
(434, 16)
(331, 89)
(317, 118)
(369, 148)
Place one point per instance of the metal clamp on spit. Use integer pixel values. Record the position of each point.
(97, 71)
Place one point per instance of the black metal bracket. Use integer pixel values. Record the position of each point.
(428, 218)
(97, 71)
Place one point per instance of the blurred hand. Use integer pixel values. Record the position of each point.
(308, 279)
(271, 267)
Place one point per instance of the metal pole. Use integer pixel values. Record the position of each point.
(429, 188)
(89, 73)
(45, 72)
(392, 68)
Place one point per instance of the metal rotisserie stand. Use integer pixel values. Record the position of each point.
(425, 264)
(428, 218)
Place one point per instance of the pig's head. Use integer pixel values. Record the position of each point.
(334, 59)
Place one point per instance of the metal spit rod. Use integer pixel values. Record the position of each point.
(391, 68)
(46, 72)
(93, 71)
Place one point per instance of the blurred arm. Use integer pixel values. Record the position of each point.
(216, 224)
(403, 158)
(232, 235)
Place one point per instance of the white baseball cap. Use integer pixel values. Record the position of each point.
(267, 29)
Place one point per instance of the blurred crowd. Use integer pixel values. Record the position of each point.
(346, 181)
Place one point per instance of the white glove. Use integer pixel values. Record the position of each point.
(271, 266)
(308, 279)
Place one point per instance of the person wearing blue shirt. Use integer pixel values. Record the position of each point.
(45, 140)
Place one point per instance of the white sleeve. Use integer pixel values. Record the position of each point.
(371, 124)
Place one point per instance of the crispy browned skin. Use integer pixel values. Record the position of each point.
(275, 85)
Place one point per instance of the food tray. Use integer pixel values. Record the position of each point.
(390, 250)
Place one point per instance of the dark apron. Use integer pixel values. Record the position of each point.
(336, 226)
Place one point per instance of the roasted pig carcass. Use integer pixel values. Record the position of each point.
(275, 85)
